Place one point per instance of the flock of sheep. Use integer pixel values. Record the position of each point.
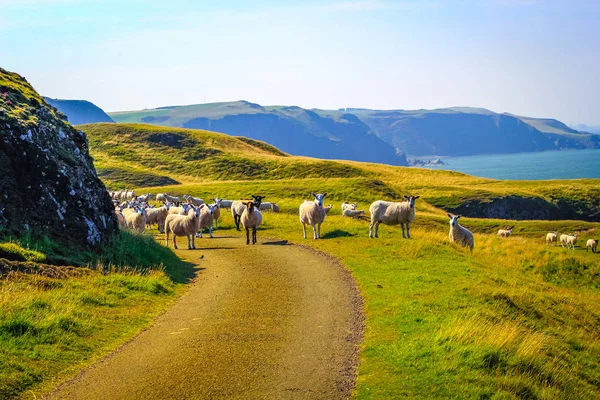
(191, 216)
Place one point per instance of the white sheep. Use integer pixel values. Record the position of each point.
(348, 206)
(265, 206)
(505, 232)
(459, 234)
(217, 211)
(551, 238)
(313, 213)
(571, 240)
(238, 207)
(183, 225)
(349, 212)
(181, 210)
(197, 201)
(251, 219)
(206, 219)
(275, 208)
(328, 208)
(389, 213)
(167, 197)
(226, 204)
(563, 240)
(591, 244)
(144, 198)
(158, 216)
(120, 218)
(135, 218)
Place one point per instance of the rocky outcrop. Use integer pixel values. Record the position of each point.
(48, 185)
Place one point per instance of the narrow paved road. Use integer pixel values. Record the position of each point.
(270, 321)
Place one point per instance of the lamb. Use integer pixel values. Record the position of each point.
(238, 207)
(348, 206)
(459, 234)
(251, 219)
(313, 213)
(571, 240)
(206, 219)
(389, 213)
(563, 240)
(328, 208)
(158, 216)
(505, 232)
(197, 201)
(183, 225)
(551, 237)
(135, 218)
(591, 244)
(167, 197)
(217, 211)
(348, 212)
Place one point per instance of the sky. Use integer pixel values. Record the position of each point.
(538, 58)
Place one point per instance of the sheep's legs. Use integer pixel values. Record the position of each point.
(237, 221)
(377, 229)
(193, 241)
(319, 234)
(247, 236)
(174, 241)
(210, 229)
(408, 230)
(167, 239)
(371, 230)
(253, 235)
(304, 229)
(314, 231)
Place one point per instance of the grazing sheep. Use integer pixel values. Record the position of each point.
(348, 206)
(563, 240)
(265, 206)
(226, 204)
(217, 211)
(275, 208)
(135, 218)
(238, 207)
(158, 216)
(459, 234)
(505, 232)
(183, 225)
(167, 197)
(551, 237)
(571, 240)
(197, 201)
(591, 244)
(313, 213)
(207, 216)
(251, 219)
(348, 212)
(389, 213)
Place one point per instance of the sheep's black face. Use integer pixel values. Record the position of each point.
(211, 209)
(319, 198)
(453, 219)
(411, 200)
(258, 200)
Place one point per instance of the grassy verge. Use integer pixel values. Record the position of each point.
(51, 328)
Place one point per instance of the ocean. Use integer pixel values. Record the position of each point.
(566, 164)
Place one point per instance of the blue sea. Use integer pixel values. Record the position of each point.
(566, 164)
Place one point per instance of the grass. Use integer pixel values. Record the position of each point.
(50, 328)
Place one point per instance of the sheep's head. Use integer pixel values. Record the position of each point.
(319, 198)
(186, 207)
(250, 206)
(217, 202)
(167, 205)
(210, 208)
(411, 200)
(453, 219)
(258, 200)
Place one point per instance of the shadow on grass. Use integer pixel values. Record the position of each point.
(337, 233)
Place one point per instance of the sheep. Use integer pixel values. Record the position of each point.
(217, 211)
(591, 244)
(167, 197)
(123, 195)
(144, 198)
(505, 232)
(551, 237)
(275, 207)
(128, 195)
(206, 219)
(328, 208)
(313, 213)
(158, 216)
(459, 234)
(226, 204)
(116, 195)
(135, 218)
(348, 212)
(120, 218)
(181, 210)
(197, 201)
(265, 206)
(251, 219)
(571, 240)
(348, 206)
(563, 240)
(183, 225)
(389, 213)
(238, 207)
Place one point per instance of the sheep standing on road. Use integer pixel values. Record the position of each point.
(505, 232)
(217, 211)
(158, 216)
(591, 244)
(135, 218)
(238, 207)
(459, 234)
(390, 213)
(551, 238)
(571, 240)
(313, 213)
(183, 225)
(251, 219)
(207, 216)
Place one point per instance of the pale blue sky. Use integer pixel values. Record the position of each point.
(533, 57)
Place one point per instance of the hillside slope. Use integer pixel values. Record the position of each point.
(79, 111)
(292, 129)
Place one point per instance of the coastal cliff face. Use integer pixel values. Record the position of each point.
(48, 185)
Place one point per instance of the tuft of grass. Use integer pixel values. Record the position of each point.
(15, 252)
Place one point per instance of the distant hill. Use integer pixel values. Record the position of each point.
(587, 128)
(294, 130)
(353, 133)
(79, 111)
